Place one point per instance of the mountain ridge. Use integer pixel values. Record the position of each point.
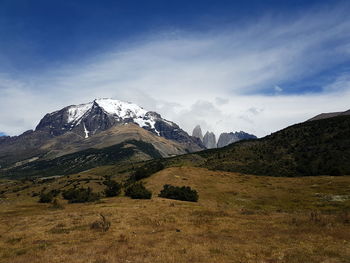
(329, 115)
(76, 123)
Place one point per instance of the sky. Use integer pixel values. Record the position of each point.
(256, 66)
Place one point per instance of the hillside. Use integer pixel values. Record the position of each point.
(319, 147)
(127, 151)
(329, 115)
(59, 146)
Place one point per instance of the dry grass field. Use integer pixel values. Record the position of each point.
(239, 218)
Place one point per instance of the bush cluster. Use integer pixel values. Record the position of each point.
(80, 195)
(113, 188)
(49, 196)
(45, 197)
(138, 191)
(183, 193)
(147, 170)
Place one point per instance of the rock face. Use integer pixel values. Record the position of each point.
(197, 132)
(209, 140)
(228, 138)
(76, 123)
(94, 117)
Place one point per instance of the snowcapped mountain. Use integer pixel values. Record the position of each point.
(100, 123)
(91, 118)
(101, 114)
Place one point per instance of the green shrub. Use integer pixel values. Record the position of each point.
(335, 172)
(80, 195)
(46, 197)
(147, 170)
(138, 191)
(113, 188)
(184, 193)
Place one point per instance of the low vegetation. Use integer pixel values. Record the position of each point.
(183, 193)
(83, 160)
(138, 191)
(312, 148)
(47, 197)
(80, 195)
(56, 204)
(113, 188)
(238, 218)
(147, 170)
(101, 225)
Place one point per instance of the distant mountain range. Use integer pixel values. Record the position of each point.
(112, 132)
(209, 139)
(97, 124)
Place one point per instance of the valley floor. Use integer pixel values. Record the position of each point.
(239, 218)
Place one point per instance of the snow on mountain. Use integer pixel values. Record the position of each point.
(120, 110)
(86, 131)
(89, 119)
(76, 112)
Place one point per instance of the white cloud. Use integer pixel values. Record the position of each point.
(278, 89)
(341, 83)
(214, 79)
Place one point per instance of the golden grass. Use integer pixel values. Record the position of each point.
(239, 218)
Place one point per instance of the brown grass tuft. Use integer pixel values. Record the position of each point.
(101, 225)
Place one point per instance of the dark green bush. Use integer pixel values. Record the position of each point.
(113, 188)
(46, 197)
(147, 170)
(80, 195)
(335, 172)
(184, 193)
(55, 192)
(138, 191)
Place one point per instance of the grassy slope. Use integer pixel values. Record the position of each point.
(312, 148)
(62, 145)
(132, 150)
(239, 218)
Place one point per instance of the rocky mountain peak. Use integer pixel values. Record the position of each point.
(197, 132)
(231, 137)
(99, 115)
(209, 140)
(92, 117)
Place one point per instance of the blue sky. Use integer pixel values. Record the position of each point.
(43, 33)
(253, 65)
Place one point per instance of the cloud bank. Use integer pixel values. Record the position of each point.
(257, 77)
